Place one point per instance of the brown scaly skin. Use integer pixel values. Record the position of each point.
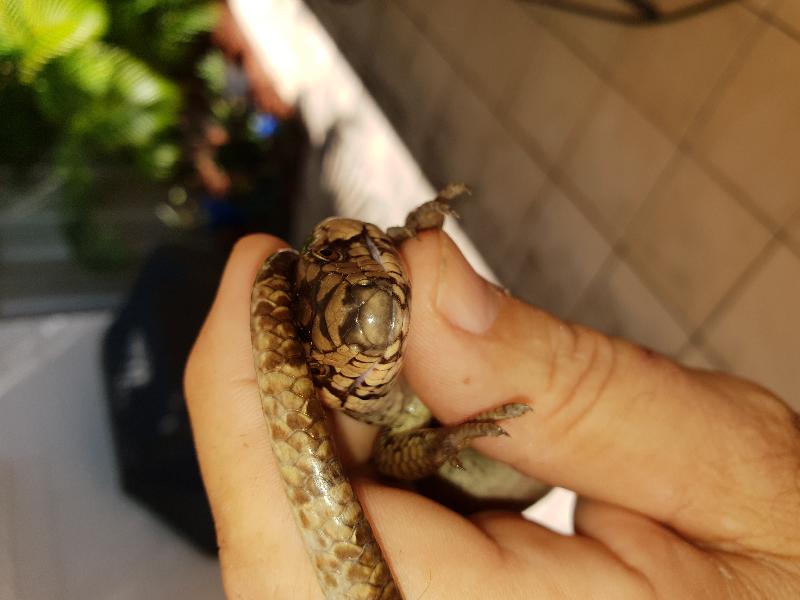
(339, 540)
(328, 327)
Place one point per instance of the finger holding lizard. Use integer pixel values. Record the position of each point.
(606, 428)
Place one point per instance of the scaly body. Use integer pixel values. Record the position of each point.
(328, 327)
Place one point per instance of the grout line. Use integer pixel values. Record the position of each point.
(791, 247)
(759, 12)
(622, 249)
(687, 346)
(785, 238)
(601, 274)
(680, 153)
(706, 108)
(555, 175)
(580, 51)
(560, 176)
(732, 189)
(554, 172)
(606, 77)
(717, 362)
(739, 54)
(735, 289)
(781, 25)
(531, 213)
(551, 167)
(769, 15)
(528, 146)
(616, 243)
(536, 153)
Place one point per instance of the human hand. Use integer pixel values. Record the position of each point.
(689, 480)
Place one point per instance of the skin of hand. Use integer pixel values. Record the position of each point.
(689, 480)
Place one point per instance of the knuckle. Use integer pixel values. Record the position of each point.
(582, 367)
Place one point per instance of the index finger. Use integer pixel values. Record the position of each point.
(705, 453)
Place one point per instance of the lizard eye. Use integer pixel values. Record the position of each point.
(319, 370)
(327, 254)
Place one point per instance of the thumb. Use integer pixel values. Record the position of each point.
(611, 420)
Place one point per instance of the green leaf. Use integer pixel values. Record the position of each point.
(211, 69)
(111, 104)
(162, 33)
(38, 31)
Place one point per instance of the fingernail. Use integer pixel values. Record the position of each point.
(463, 297)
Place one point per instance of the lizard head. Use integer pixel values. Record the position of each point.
(352, 310)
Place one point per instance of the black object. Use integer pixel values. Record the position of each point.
(144, 353)
(640, 12)
(145, 349)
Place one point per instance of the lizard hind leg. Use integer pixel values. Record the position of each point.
(417, 453)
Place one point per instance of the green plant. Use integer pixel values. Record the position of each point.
(93, 77)
(163, 33)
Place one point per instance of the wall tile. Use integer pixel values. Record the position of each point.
(449, 21)
(396, 37)
(394, 40)
(692, 241)
(618, 303)
(753, 134)
(480, 223)
(502, 40)
(454, 151)
(430, 76)
(561, 251)
(788, 11)
(417, 9)
(669, 70)
(757, 334)
(616, 161)
(601, 42)
(694, 356)
(760, 5)
(793, 233)
(507, 186)
(552, 74)
(352, 26)
(556, 89)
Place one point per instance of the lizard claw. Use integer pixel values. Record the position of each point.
(456, 463)
(429, 215)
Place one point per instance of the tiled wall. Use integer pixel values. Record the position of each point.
(645, 181)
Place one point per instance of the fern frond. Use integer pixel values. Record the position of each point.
(34, 32)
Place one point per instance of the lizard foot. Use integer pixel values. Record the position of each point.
(418, 453)
(429, 215)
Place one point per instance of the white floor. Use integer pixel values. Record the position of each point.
(66, 530)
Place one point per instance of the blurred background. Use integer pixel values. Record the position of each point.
(633, 167)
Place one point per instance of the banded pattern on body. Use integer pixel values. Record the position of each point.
(339, 539)
(353, 314)
(329, 326)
